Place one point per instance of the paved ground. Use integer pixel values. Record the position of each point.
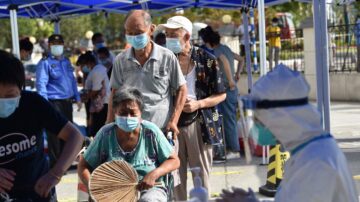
(345, 119)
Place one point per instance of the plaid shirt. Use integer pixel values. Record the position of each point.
(208, 82)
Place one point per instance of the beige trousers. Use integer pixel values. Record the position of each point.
(194, 152)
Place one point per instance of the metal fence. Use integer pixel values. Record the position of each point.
(343, 52)
(292, 51)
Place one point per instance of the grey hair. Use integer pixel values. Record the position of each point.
(130, 94)
(146, 16)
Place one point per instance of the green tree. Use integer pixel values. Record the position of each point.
(26, 28)
(73, 29)
(299, 10)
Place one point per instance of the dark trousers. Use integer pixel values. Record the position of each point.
(98, 120)
(55, 145)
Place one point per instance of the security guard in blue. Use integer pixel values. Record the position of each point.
(55, 81)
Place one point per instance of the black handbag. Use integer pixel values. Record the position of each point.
(186, 119)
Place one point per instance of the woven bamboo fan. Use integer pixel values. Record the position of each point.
(114, 181)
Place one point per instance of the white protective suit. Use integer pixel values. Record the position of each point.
(318, 171)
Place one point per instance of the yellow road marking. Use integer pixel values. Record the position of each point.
(222, 173)
(215, 194)
(226, 173)
(67, 200)
(69, 180)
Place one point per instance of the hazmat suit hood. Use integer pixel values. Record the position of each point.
(292, 125)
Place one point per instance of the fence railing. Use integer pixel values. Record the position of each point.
(343, 52)
(292, 51)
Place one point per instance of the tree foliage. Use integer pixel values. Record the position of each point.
(111, 25)
(26, 28)
(299, 10)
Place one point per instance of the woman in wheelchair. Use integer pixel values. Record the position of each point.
(138, 142)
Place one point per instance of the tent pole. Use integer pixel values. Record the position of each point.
(262, 37)
(247, 47)
(56, 23)
(56, 26)
(325, 65)
(253, 38)
(322, 67)
(14, 30)
(319, 80)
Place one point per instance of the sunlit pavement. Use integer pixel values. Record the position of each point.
(345, 126)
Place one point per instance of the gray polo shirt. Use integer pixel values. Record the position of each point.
(160, 75)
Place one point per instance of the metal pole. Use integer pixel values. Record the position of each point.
(322, 66)
(247, 48)
(263, 155)
(57, 23)
(319, 80)
(262, 37)
(325, 65)
(253, 39)
(267, 154)
(14, 30)
(56, 26)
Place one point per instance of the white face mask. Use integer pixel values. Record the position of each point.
(57, 50)
(174, 45)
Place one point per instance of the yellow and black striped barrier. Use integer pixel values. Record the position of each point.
(275, 171)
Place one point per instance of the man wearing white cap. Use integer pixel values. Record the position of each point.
(317, 170)
(199, 122)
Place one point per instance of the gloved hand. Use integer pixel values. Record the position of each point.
(238, 195)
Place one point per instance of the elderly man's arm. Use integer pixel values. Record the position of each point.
(193, 105)
(179, 105)
(166, 167)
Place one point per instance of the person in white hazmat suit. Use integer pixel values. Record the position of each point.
(317, 170)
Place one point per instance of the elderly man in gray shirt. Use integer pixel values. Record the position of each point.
(153, 70)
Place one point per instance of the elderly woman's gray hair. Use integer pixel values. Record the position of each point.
(128, 93)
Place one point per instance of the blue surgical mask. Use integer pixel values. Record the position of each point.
(138, 41)
(99, 45)
(8, 106)
(85, 69)
(57, 50)
(174, 45)
(262, 135)
(127, 124)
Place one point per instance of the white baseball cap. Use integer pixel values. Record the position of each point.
(178, 22)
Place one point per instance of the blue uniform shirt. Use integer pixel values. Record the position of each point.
(55, 79)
